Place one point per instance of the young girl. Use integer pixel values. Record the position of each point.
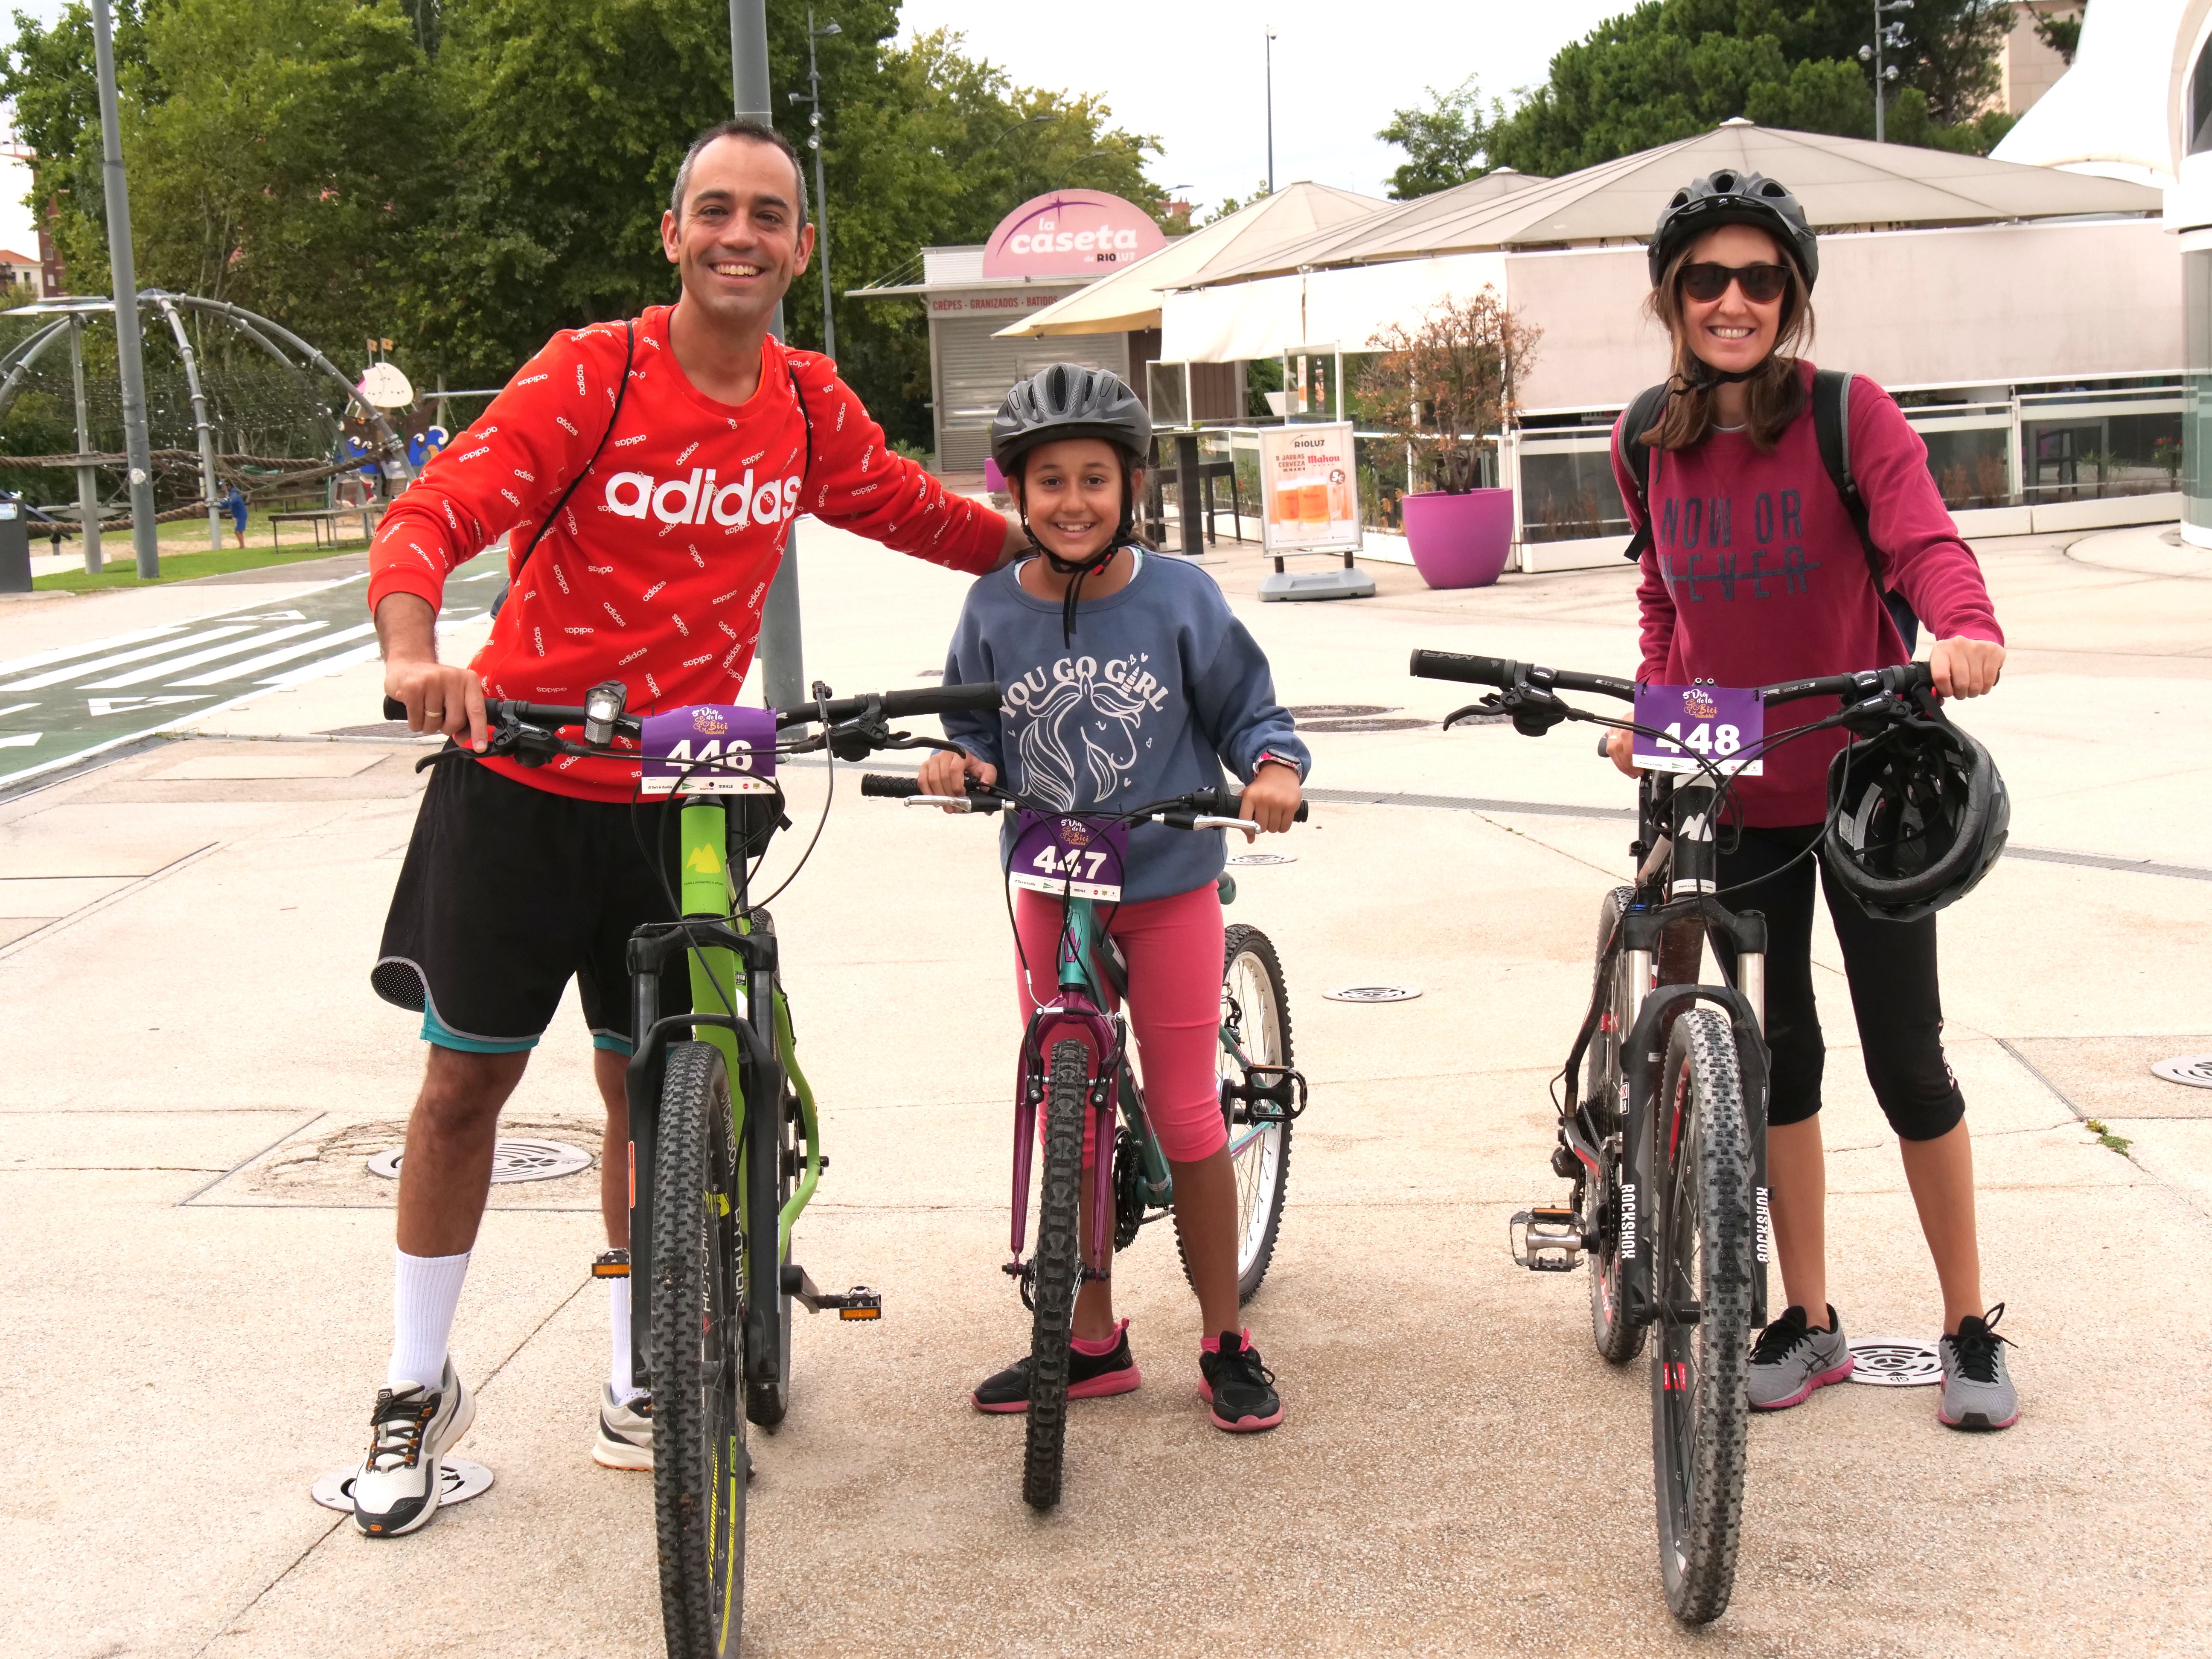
(1126, 681)
(1779, 587)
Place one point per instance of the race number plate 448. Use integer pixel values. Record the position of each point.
(1069, 856)
(710, 748)
(1709, 724)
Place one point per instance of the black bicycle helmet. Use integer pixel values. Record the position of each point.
(1917, 814)
(1730, 197)
(1068, 400)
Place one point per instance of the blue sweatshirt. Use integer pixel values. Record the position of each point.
(1162, 688)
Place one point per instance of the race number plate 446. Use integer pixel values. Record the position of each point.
(710, 748)
(1711, 724)
(1071, 856)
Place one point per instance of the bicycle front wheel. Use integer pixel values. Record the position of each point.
(1056, 1265)
(1255, 1014)
(699, 1427)
(1706, 1239)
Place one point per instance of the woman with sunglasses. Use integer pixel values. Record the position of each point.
(1755, 573)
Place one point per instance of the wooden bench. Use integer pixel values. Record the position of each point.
(327, 518)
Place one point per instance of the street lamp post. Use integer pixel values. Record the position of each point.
(821, 190)
(1270, 50)
(1890, 35)
(131, 364)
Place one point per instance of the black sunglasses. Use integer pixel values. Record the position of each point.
(1761, 284)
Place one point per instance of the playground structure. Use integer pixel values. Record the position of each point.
(69, 316)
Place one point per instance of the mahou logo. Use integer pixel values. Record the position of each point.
(698, 498)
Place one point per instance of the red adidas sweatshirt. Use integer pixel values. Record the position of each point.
(656, 573)
(1756, 575)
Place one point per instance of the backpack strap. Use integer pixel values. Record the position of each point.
(629, 350)
(1641, 460)
(806, 471)
(1832, 427)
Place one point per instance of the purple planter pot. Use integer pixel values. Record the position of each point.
(1459, 541)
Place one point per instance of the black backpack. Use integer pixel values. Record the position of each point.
(1831, 428)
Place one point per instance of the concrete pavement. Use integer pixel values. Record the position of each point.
(191, 1063)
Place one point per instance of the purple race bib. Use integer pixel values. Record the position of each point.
(1079, 857)
(1709, 723)
(711, 748)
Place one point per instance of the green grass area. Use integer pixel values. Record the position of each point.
(118, 570)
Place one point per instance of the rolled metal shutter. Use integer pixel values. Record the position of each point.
(974, 369)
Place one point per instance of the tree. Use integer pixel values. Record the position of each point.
(1439, 387)
(1445, 144)
(1670, 69)
(2061, 32)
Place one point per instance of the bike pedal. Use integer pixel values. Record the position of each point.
(610, 1264)
(859, 1303)
(1546, 1241)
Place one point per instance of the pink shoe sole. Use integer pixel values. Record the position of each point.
(1242, 1425)
(1821, 1381)
(1098, 1388)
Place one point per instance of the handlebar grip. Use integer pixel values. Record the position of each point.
(1467, 671)
(394, 709)
(941, 700)
(1300, 816)
(886, 786)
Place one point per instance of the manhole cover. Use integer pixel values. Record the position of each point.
(2195, 1070)
(1249, 859)
(1890, 1364)
(1374, 993)
(1338, 711)
(512, 1160)
(459, 1480)
(1368, 723)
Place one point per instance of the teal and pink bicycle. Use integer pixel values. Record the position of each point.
(1075, 1067)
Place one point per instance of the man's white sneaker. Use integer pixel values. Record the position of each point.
(625, 1437)
(411, 1432)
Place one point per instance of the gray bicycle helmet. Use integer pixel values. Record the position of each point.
(1916, 816)
(1730, 197)
(1068, 400)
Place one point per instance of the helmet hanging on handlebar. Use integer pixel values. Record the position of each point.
(1917, 814)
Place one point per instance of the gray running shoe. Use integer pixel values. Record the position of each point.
(397, 1487)
(1977, 1392)
(1790, 1360)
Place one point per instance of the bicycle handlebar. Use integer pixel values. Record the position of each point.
(1221, 803)
(891, 705)
(1505, 672)
(1867, 683)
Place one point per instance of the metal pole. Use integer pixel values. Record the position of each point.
(130, 365)
(200, 427)
(1879, 137)
(87, 480)
(821, 197)
(1270, 50)
(783, 670)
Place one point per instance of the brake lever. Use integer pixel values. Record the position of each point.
(1489, 705)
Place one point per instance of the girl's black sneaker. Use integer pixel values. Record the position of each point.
(1090, 1377)
(1241, 1390)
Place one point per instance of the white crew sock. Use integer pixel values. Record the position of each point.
(618, 1372)
(425, 1291)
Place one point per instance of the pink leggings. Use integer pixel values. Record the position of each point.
(1174, 949)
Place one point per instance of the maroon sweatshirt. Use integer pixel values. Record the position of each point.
(1755, 575)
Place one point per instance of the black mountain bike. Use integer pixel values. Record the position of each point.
(725, 1147)
(1663, 1127)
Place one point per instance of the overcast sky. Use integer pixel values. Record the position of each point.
(1192, 72)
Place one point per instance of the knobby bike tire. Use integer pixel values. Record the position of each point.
(699, 1463)
(1263, 1164)
(1707, 1236)
(1057, 1261)
(767, 1404)
(1619, 1338)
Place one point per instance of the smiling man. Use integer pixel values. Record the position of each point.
(646, 474)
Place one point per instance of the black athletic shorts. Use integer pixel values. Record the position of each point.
(507, 891)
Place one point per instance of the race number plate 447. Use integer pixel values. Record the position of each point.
(711, 748)
(1069, 856)
(1709, 724)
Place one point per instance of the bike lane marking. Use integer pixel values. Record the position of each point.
(308, 635)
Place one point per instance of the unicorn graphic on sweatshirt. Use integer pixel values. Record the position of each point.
(1080, 726)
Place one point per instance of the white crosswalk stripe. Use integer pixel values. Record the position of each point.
(162, 670)
(91, 648)
(252, 666)
(120, 658)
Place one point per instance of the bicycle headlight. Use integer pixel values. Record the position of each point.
(603, 706)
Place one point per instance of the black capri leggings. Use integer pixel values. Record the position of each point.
(1891, 968)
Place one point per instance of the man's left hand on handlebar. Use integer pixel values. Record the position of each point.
(947, 774)
(1964, 667)
(1271, 799)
